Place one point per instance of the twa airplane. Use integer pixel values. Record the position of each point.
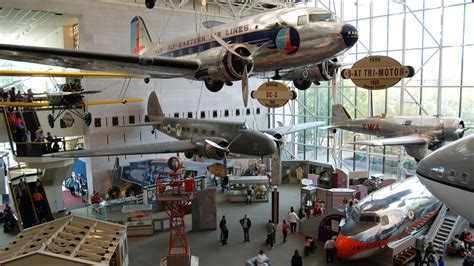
(417, 134)
(298, 44)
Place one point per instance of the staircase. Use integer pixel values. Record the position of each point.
(31, 122)
(407, 255)
(443, 235)
(25, 207)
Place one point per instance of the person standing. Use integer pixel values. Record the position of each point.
(284, 229)
(330, 248)
(225, 235)
(293, 219)
(428, 250)
(440, 261)
(270, 233)
(222, 225)
(249, 195)
(296, 260)
(246, 223)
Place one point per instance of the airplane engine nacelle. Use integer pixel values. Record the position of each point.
(321, 72)
(208, 150)
(222, 65)
(453, 129)
(277, 137)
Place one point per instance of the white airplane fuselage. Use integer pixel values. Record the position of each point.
(449, 174)
(292, 44)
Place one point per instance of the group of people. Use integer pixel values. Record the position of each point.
(77, 186)
(16, 96)
(462, 243)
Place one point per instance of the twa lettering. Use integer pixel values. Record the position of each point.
(371, 127)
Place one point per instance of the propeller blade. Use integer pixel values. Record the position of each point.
(226, 46)
(270, 136)
(232, 141)
(215, 145)
(245, 86)
(260, 49)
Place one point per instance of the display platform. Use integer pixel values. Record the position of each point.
(239, 188)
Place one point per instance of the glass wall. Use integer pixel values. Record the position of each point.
(433, 36)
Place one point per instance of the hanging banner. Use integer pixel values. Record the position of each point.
(377, 72)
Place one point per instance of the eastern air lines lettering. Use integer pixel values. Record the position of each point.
(371, 127)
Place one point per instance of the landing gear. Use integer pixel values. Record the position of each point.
(150, 3)
(147, 80)
(88, 119)
(51, 121)
(214, 85)
(302, 84)
(277, 75)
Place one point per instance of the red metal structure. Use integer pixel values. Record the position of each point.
(175, 197)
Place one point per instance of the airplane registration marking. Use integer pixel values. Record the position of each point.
(371, 127)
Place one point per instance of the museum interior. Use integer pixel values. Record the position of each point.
(236, 132)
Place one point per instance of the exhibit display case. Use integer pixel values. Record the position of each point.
(138, 219)
(239, 187)
(308, 196)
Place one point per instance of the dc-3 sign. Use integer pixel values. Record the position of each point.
(377, 72)
(273, 94)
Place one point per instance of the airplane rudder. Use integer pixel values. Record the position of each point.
(139, 37)
(154, 107)
(339, 114)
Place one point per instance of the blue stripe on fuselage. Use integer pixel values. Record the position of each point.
(253, 38)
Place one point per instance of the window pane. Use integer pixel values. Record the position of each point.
(452, 25)
(450, 99)
(451, 67)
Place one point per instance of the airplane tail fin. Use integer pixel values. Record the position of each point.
(339, 114)
(140, 38)
(154, 108)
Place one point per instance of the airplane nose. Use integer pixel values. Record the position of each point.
(350, 35)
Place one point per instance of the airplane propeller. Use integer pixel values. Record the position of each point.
(225, 149)
(246, 61)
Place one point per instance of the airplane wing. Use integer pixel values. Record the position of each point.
(155, 67)
(16, 73)
(24, 104)
(124, 101)
(404, 140)
(152, 148)
(296, 128)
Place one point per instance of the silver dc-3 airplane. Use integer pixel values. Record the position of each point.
(300, 43)
(449, 174)
(208, 138)
(417, 134)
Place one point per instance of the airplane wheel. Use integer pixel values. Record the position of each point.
(302, 84)
(88, 119)
(252, 95)
(51, 121)
(147, 80)
(150, 3)
(334, 130)
(293, 95)
(214, 85)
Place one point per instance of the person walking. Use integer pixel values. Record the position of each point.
(262, 259)
(270, 233)
(296, 260)
(330, 248)
(249, 195)
(284, 229)
(428, 250)
(293, 219)
(222, 225)
(246, 223)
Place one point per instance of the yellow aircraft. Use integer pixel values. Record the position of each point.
(70, 97)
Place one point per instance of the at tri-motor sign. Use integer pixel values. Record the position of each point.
(377, 72)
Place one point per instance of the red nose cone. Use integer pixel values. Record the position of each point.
(344, 246)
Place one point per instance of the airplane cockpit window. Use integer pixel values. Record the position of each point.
(438, 171)
(321, 17)
(243, 126)
(369, 218)
(302, 20)
(464, 177)
(451, 174)
(384, 220)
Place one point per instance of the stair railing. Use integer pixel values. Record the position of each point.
(436, 225)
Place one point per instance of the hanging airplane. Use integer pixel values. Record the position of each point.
(208, 138)
(387, 215)
(448, 174)
(70, 98)
(417, 134)
(299, 42)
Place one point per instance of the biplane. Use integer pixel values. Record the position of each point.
(70, 97)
